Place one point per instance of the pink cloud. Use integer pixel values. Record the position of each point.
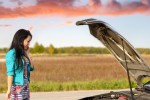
(67, 8)
(5, 25)
(94, 2)
(69, 23)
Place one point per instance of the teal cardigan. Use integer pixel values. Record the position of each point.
(14, 70)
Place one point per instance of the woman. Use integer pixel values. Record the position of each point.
(19, 65)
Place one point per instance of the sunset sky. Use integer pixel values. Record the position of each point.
(53, 21)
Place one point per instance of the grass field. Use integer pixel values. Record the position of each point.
(76, 72)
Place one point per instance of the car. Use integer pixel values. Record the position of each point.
(130, 60)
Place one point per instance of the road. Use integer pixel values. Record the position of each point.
(64, 95)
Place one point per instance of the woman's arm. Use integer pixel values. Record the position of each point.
(32, 65)
(10, 66)
(9, 85)
(31, 61)
(9, 82)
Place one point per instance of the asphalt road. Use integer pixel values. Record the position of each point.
(64, 95)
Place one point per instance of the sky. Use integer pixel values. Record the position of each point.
(53, 21)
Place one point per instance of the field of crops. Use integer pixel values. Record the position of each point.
(74, 69)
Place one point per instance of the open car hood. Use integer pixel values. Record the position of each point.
(123, 51)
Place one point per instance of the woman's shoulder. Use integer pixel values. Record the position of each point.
(11, 52)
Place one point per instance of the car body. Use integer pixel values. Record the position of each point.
(131, 61)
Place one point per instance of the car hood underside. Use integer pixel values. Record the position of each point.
(123, 51)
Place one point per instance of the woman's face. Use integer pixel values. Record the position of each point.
(26, 42)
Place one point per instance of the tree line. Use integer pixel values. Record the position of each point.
(40, 49)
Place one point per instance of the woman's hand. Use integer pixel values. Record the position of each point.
(27, 51)
(8, 95)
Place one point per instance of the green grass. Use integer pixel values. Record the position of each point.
(70, 86)
(67, 86)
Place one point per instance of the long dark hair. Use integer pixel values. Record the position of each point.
(17, 44)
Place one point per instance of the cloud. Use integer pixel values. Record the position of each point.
(5, 25)
(94, 3)
(30, 28)
(69, 23)
(1, 3)
(57, 2)
(113, 4)
(19, 2)
(67, 8)
(146, 2)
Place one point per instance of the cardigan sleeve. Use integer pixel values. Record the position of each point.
(10, 62)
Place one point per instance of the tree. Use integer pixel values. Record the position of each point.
(51, 49)
(38, 48)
